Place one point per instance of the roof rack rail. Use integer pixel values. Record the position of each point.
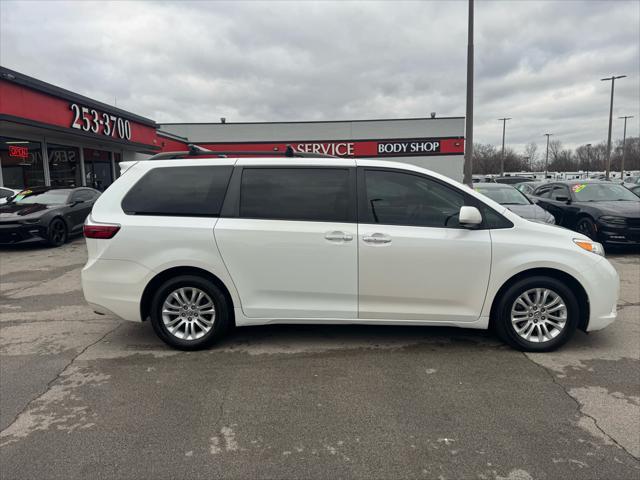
(196, 151)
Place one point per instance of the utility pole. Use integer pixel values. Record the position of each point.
(613, 82)
(624, 142)
(504, 124)
(588, 158)
(468, 151)
(546, 161)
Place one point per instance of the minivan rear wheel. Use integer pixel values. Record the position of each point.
(537, 314)
(189, 312)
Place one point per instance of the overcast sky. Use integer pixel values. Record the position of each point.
(539, 62)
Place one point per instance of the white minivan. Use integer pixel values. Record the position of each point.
(198, 245)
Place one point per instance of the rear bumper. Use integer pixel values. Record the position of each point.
(115, 287)
(602, 285)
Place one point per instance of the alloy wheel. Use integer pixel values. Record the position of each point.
(58, 232)
(188, 313)
(585, 227)
(539, 315)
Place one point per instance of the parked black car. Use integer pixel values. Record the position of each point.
(604, 211)
(45, 214)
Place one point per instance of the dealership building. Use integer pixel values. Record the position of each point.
(52, 136)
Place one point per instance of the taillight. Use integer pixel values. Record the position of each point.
(100, 231)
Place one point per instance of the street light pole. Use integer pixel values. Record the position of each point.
(613, 82)
(468, 151)
(588, 158)
(504, 124)
(624, 142)
(546, 161)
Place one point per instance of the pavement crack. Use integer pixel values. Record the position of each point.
(221, 407)
(579, 406)
(51, 382)
(628, 304)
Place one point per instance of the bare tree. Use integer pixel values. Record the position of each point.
(555, 147)
(486, 158)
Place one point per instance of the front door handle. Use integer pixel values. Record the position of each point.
(377, 238)
(338, 236)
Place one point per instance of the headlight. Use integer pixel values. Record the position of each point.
(30, 221)
(589, 246)
(612, 220)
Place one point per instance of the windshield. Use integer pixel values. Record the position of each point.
(51, 197)
(504, 196)
(601, 192)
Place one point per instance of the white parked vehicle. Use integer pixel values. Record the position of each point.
(199, 245)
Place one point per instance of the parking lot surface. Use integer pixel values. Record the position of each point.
(89, 396)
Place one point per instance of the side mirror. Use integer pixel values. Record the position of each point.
(469, 217)
(77, 202)
(563, 198)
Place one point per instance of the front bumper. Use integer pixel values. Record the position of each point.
(15, 233)
(602, 285)
(619, 235)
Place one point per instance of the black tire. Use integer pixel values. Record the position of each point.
(57, 233)
(190, 283)
(506, 329)
(586, 226)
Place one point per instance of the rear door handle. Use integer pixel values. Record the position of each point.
(338, 236)
(377, 238)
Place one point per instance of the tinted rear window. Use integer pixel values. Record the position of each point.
(312, 194)
(179, 191)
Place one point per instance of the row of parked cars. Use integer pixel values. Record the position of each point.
(605, 211)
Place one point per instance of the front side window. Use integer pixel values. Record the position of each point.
(307, 194)
(179, 191)
(543, 192)
(395, 198)
(560, 191)
(83, 196)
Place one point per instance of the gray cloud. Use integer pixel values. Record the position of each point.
(539, 62)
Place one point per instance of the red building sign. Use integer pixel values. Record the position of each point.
(18, 152)
(353, 148)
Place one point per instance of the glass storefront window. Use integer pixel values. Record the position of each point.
(97, 168)
(117, 158)
(64, 166)
(21, 162)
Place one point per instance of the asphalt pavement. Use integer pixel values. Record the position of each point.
(89, 396)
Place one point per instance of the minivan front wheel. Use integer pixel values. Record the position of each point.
(189, 312)
(537, 314)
